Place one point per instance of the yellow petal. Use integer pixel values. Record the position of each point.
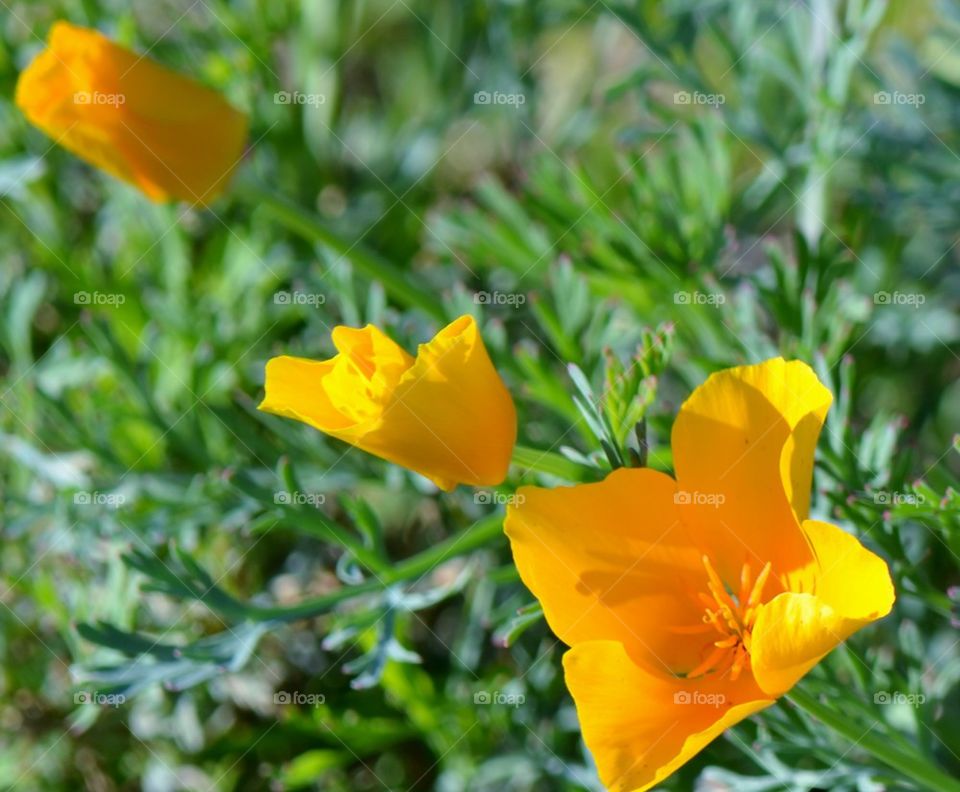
(446, 414)
(364, 375)
(743, 447)
(451, 416)
(294, 390)
(845, 588)
(133, 118)
(343, 396)
(641, 726)
(612, 561)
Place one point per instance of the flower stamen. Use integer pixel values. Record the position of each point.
(733, 617)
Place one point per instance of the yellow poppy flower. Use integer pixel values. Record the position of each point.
(445, 414)
(128, 115)
(690, 604)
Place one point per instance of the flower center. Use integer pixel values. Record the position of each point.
(732, 616)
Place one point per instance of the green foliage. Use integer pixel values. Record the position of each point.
(687, 186)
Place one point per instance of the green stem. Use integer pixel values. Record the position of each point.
(477, 535)
(913, 766)
(305, 225)
(552, 464)
(331, 531)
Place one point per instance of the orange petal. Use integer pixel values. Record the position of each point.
(845, 588)
(126, 114)
(612, 561)
(642, 726)
(743, 446)
(446, 414)
(451, 417)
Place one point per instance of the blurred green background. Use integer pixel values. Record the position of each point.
(750, 178)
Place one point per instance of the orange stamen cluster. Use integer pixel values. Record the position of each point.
(732, 617)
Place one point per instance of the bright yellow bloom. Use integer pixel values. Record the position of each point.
(692, 603)
(139, 121)
(445, 414)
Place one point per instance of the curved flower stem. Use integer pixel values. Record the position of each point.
(394, 280)
(330, 531)
(477, 535)
(914, 766)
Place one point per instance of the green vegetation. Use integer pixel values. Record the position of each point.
(680, 187)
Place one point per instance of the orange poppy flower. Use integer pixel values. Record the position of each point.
(692, 603)
(445, 414)
(128, 115)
